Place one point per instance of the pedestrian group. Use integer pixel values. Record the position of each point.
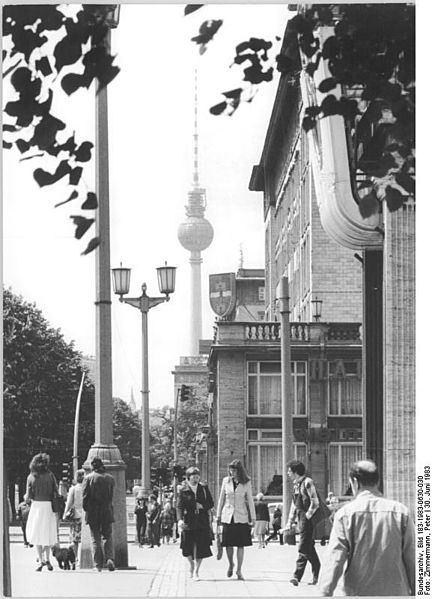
(371, 545)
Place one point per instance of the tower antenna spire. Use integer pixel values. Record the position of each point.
(195, 170)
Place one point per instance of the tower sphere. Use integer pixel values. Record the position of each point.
(195, 233)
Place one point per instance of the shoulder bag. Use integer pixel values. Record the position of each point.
(322, 512)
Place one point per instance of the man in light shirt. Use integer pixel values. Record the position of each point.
(375, 537)
(304, 505)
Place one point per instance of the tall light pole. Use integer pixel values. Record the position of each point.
(121, 282)
(287, 398)
(103, 446)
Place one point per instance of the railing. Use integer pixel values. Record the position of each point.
(271, 331)
(234, 332)
(341, 331)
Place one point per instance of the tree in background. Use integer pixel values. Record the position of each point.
(127, 437)
(192, 416)
(42, 375)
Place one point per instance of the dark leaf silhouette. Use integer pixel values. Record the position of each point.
(9, 128)
(308, 123)
(218, 108)
(46, 131)
(72, 196)
(7, 145)
(22, 145)
(83, 153)
(43, 65)
(234, 93)
(207, 31)
(21, 79)
(93, 244)
(67, 52)
(91, 202)
(394, 198)
(72, 82)
(369, 205)
(327, 84)
(82, 224)
(75, 175)
(406, 182)
(43, 178)
(190, 8)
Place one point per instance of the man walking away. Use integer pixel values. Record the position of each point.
(304, 505)
(375, 536)
(98, 488)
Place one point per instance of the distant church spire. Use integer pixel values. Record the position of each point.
(195, 235)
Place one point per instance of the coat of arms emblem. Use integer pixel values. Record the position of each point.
(222, 293)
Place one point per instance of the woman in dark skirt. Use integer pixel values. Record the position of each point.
(236, 512)
(193, 505)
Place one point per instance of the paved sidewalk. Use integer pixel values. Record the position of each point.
(163, 572)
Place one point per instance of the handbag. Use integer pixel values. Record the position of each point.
(70, 515)
(219, 545)
(321, 513)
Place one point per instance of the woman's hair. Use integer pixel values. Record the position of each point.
(191, 471)
(259, 496)
(39, 463)
(79, 476)
(241, 472)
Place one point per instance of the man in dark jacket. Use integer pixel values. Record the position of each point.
(98, 488)
(304, 504)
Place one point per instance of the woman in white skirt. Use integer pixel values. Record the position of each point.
(42, 522)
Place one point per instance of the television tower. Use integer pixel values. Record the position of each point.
(195, 234)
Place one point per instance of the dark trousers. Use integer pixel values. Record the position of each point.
(140, 528)
(306, 549)
(275, 534)
(154, 533)
(97, 533)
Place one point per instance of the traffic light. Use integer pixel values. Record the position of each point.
(186, 393)
(65, 472)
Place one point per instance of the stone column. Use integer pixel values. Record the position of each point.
(399, 356)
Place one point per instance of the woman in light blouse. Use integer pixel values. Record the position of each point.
(236, 512)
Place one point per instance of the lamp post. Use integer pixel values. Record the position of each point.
(121, 280)
(103, 446)
(287, 399)
(317, 308)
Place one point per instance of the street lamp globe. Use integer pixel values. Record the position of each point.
(121, 280)
(166, 278)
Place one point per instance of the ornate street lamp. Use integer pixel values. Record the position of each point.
(121, 281)
(317, 308)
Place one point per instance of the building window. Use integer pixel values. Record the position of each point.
(264, 459)
(344, 388)
(341, 458)
(264, 388)
(261, 294)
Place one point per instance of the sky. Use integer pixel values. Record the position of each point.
(151, 116)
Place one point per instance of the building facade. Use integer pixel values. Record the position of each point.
(380, 247)
(246, 411)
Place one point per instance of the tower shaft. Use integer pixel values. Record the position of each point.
(196, 303)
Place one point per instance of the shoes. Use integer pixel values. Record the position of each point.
(294, 582)
(195, 577)
(110, 565)
(97, 569)
(49, 565)
(151, 546)
(39, 568)
(314, 580)
(230, 571)
(239, 576)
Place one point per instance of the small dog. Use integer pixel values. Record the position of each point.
(65, 556)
